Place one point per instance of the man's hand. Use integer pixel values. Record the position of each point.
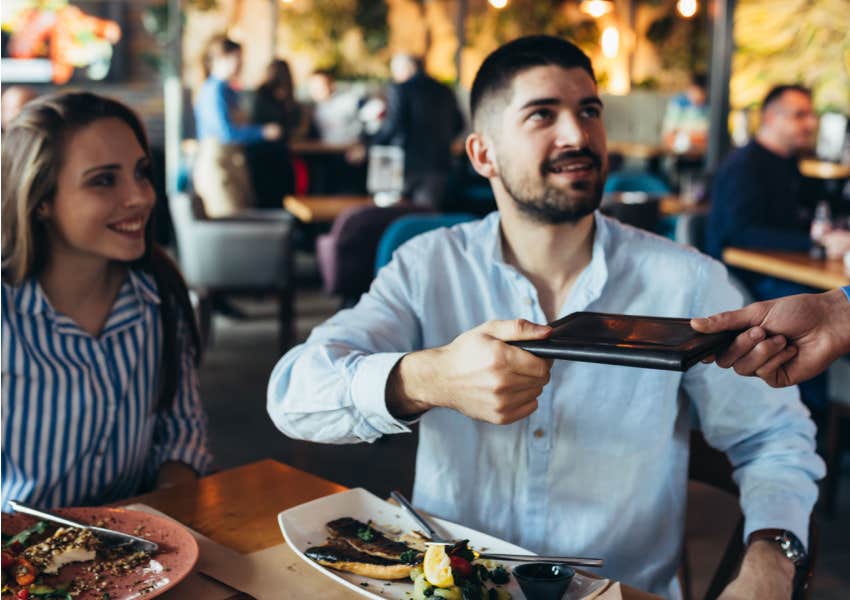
(272, 132)
(477, 374)
(787, 340)
(765, 574)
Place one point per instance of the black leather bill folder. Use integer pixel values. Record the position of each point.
(633, 341)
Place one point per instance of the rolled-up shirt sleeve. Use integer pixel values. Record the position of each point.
(180, 432)
(332, 388)
(766, 433)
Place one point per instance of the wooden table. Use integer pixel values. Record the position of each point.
(323, 209)
(313, 147)
(673, 206)
(791, 266)
(238, 508)
(821, 169)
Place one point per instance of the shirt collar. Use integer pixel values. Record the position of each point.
(31, 300)
(591, 281)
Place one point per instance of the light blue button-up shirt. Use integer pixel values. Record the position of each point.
(600, 468)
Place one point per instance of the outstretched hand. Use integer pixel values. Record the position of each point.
(785, 341)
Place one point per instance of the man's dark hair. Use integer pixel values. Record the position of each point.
(777, 91)
(700, 80)
(499, 69)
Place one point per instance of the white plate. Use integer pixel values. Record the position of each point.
(304, 526)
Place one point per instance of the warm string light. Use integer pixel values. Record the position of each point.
(499, 4)
(610, 41)
(687, 8)
(596, 8)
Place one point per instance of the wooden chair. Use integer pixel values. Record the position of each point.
(712, 467)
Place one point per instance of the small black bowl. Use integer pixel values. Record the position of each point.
(543, 581)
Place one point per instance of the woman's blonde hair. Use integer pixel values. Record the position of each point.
(33, 152)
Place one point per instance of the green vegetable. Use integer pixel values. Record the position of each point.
(410, 557)
(499, 576)
(22, 536)
(367, 534)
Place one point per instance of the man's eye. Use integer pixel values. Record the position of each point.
(591, 112)
(540, 115)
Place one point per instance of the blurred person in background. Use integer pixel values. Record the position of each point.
(423, 119)
(760, 200)
(335, 112)
(685, 126)
(13, 100)
(269, 161)
(221, 177)
(101, 398)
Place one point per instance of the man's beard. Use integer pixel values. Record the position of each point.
(555, 205)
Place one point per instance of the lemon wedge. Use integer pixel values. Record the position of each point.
(438, 567)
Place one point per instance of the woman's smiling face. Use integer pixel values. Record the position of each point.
(104, 194)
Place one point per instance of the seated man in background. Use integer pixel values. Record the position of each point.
(760, 199)
(564, 457)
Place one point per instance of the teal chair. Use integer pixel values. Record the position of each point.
(404, 228)
(639, 181)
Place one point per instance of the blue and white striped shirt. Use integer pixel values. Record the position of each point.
(80, 424)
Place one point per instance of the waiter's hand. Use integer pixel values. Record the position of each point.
(787, 340)
(476, 374)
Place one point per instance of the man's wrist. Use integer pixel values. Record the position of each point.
(838, 309)
(407, 386)
(766, 558)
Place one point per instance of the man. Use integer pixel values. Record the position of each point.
(759, 198)
(423, 118)
(788, 340)
(335, 119)
(568, 457)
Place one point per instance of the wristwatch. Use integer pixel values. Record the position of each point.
(788, 543)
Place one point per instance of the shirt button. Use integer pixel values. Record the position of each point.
(539, 433)
(529, 301)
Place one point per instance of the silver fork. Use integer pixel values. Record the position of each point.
(110, 537)
(436, 538)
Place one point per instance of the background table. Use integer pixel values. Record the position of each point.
(238, 508)
(790, 266)
(322, 209)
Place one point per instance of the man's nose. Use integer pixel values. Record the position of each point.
(569, 131)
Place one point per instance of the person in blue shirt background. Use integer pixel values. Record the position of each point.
(100, 397)
(221, 177)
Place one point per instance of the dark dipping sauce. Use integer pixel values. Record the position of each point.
(543, 581)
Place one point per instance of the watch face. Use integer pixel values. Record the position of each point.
(792, 547)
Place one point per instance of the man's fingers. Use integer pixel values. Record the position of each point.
(741, 346)
(515, 329)
(520, 412)
(522, 362)
(749, 316)
(769, 371)
(759, 355)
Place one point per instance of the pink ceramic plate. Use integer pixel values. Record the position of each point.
(178, 552)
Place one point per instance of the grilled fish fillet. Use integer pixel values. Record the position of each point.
(346, 529)
(342, 557)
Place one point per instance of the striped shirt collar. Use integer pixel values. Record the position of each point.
(31, 300)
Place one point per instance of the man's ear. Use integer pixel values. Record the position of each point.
(480, 152)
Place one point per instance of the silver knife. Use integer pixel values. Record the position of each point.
(110, 537)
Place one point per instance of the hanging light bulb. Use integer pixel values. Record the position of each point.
(610, 41)
(596, 8)
(687, 8)
(498, 4)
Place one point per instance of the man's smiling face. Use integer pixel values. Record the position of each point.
(548, 143)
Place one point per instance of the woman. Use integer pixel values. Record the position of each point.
(221, 175)
(269, 161)
(100, 393)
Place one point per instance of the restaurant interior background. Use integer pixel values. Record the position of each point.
(643, 52)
